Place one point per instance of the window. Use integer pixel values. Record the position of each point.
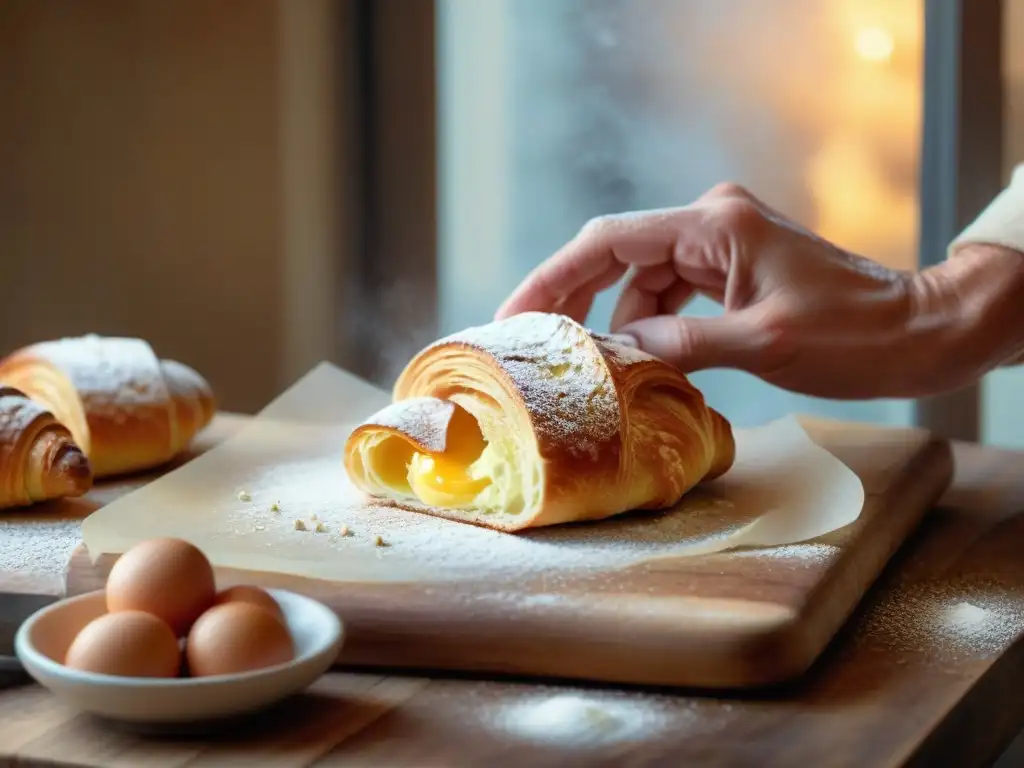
(1002, 414)
(554, 112)
(852, 116)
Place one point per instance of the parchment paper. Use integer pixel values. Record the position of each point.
(244, 501)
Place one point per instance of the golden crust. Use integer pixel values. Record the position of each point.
(127, 409)
(423, 421)
(603, 428)
(39, 460)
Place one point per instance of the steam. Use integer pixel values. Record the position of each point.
(384, 331)
(614, 105)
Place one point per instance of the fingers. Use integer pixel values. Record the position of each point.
(639, 298)
(598, 256)
(651, 291)
(696, 343)
(698, 243)
(675, 299)
(555, 282)
(578, 304)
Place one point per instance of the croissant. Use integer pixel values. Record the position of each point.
(127, 409)
(38, 457)
(533, 421)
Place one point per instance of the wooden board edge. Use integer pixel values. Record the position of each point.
(772, 653)
(837, 598)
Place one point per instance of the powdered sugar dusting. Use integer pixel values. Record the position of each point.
(459, 550)
(17, 413)
(424, 420)
(561, 375)
(113, 376)
(293, 469)
(292, 474)
(594, 720)
(946, 619)
(34, 544)
(422, 546)
(184, 380)
(623, 354)
(807, 555)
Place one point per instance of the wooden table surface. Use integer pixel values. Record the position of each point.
(928, 672)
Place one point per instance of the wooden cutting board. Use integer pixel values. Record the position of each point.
(734, 619)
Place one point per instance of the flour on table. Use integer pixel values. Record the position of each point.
(959, 618)
(36, 545)
(789, 488)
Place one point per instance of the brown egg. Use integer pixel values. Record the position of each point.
(170, 578)
(128, 644)
(237, 637)
(244, 593)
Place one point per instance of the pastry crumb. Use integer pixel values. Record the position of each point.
(275, 507)
(378, 541)
(314, 518)
(244, 496)
(300, 525)
(321, 528)
(344, 531)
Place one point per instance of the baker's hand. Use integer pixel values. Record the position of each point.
(799, 312)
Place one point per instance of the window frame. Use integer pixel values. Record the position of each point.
(961, 158)
(390, 97)
(396, 201)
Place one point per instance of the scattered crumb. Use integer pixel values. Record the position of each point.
(244, 496)
(275, 507)
(321, 528)
(344, 531)
(378, 541)
(300, 526)
(314, 518)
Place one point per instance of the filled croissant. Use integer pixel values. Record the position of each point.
(533, 421)
(127, 409)
(39, 460)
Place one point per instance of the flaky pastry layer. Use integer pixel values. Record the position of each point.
(39, 459)
(125, 407)
(574, 427)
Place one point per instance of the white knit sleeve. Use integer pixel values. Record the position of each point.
(1001, 222)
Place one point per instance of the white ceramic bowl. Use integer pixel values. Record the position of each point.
(43, 640)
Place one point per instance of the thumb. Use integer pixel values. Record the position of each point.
(695, 343)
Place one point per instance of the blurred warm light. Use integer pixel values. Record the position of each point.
(863, 175)
(851, 94)
(857, 205)
(874, 44)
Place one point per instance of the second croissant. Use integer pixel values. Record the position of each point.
(534, 421)
(128, 409)
(39, 460)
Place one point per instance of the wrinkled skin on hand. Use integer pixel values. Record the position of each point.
(799, 312)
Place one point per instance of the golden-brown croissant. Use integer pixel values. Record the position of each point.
(39, 460)
(126, 408)
(533, 421)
